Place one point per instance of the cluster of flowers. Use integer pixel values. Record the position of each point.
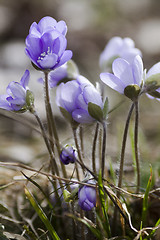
(122, 70)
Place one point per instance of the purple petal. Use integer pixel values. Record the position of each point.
(82, 116)
(91, 194)
(87, 205)
(92, 95)
(130, 54)
(67, 55)
(66, 95)
(46, 23)
(33, 47)
(48, 39)
(34, 30)
(111, 49)
(154, 70)
(25, 79)
(60, 45)
(137, 68)
(62, 27)
(18, 101)
(81, 103)
(122, 69)
(113, 82)
(81, 195)
(57, 75)
(4, 103)
(17, 90)
(48, 62)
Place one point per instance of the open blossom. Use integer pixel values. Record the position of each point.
(68, 155)
(118, 47)
(46, 44)
(74, 97)
(15, 99)
(124, 74)
(87, 197)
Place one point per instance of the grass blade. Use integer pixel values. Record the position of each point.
(145, 199)
(106, 224)
(41, 214)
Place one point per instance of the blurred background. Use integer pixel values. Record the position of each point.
(90, 25)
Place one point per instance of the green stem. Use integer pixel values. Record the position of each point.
(46, 142)
(51, 121)
(123, 148)
(103, 148)
(78, 147)
(94, 148)
(136, 145)
(122, 163)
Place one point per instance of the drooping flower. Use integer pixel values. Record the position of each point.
(87, 197)
(124, 74)
(68, 155)
(15, 99)
(74, 96)
(46, 44)
(118, 47)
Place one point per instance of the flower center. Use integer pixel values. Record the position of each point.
(44, 54)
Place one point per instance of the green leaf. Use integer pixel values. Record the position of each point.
(95, 111)
(66, 114)
(41, 214)
(153, 231)
(132, 91)
(105, 108)
(106, 224)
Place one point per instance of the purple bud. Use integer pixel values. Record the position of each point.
(87, 197)
(68, 155)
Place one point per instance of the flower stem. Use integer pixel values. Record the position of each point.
(122, 163)
(51, 121)
(124, 147)
(103, 148)
(46, 142)
(136, 145)
(94, 148)
(78, 147)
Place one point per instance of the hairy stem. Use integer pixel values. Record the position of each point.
(94, 148)
(124, 147)
(122, 162)
(103, 148)
(77, 146)
(46, 142)
(136, 145)
(51, 121)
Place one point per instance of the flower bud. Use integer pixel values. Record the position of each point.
(68, 155)
(87, 197)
